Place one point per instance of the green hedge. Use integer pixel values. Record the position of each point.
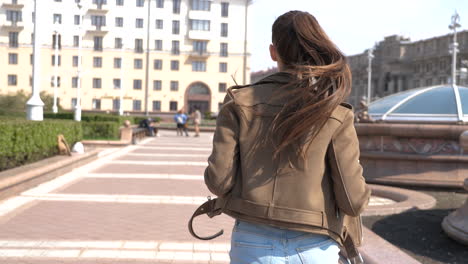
(86, 117)
(100, 130)
(23, 141)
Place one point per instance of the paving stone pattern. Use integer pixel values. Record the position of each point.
(131, 206)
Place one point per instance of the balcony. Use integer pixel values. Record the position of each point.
(13, 25)
(200, 35)
(97, 30)
(12, 5)
(199, 54)
(100, 9)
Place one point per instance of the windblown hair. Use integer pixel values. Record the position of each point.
(322, 79)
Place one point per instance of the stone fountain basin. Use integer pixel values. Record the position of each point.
(413, 154)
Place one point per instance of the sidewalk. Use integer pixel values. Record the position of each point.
(131, 206)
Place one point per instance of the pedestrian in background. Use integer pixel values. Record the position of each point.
(197, 120)
(181, 120)
(285, 160)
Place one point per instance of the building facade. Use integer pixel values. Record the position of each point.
(164, 55)
(400, 64)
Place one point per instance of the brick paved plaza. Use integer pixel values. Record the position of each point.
(129, 206)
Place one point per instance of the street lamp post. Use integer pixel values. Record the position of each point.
(370, 56)
(34, 106)
(454, 49)
(77, 115)
(54, 107)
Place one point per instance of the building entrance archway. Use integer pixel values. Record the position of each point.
(198, 95)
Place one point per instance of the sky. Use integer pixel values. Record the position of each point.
(355, 25)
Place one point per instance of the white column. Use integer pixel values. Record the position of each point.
(77, 115)
(122, 91)
(34, 106)
(56, 60)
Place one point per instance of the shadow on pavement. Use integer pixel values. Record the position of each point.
(419, 233)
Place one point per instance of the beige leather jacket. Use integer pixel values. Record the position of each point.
(314, 195)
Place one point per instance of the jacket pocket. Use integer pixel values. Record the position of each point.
(319, 252)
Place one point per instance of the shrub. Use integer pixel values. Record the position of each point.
(100, 130)
(23, 141)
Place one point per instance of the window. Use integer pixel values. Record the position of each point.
(117, 83)
(157, 85)
(115, 104)
(140, 3)
(14, 16)
(118, 44)
(97, 43)
(429, 82)
(12, 80)
(203, 5)
(172, 106)
(57, 40)
(96, 104)
(224, 29)
(159, 3)
(97, 83)
(13, 39)
(224, 9)
(198, 66)
(176, 6)
(52, 81)
(119, 2)
(57, 18)
(223, 50)
(174, 65)
(136, 105)
(97, 62)
(156, 105)
(174, 86)
(159, 24)
(75, 61)
(139, 45)
(199, 46)
(222, 87)
(138, 64)
(12, 58)
(98, 21)
(59, 60)
(74, 82)
(157, 64)
(139, 23)
(136, 84)
(100, 2)
(197, 24)
(119, 21)
(175, 27)
(117, 63)
(76, 41)
(77, 19)
(175, 47)
(73, 102)
(223, 67)
(158, 44)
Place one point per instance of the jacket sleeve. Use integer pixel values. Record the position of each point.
(351, 192)
(224, 160)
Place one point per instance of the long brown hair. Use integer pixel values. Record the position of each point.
(322, 79)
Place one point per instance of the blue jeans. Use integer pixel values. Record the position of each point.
(259, 244)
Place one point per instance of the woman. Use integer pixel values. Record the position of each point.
(285, 154)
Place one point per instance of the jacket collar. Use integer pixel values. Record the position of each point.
(278, 77)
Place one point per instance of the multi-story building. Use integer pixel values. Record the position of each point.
(165, 54)
(400, 64)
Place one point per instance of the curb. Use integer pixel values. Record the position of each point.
(376, 250)
(17, 180)
(406, 200)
